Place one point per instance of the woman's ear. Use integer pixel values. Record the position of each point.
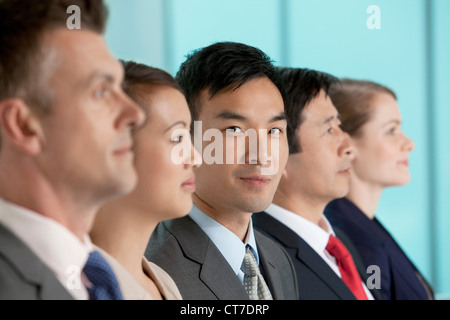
(20, 126)
(284, 174)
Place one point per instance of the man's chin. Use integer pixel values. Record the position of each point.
(254, 205)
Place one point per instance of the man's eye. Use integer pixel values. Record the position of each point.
(275, 131)
(234, 130)
(101, 93)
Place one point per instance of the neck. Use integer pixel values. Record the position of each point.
(234, 220)
(123, 231)
(28, 189)
(307, 207)
(365, 196)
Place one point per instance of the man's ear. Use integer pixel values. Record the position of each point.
(20, 126)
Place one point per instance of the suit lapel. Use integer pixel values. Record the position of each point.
(215, 272)
(269, 269)
(219, 277)
(319, 267)
(305, 254)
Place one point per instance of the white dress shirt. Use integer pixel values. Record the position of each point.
(58, 248)
(314, 236)
(229, 245)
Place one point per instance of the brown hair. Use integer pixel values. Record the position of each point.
(139, 76)
(22, 57)
(22, 26)
(353, 100)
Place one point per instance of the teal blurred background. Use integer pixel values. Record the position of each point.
(410, 53)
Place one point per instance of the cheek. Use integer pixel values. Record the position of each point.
(375, 160)
(152, 164)
(280, 151)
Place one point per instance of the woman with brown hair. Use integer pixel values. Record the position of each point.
(371, 116)
(123, 227)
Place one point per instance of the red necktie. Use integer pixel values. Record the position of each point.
(346, 266)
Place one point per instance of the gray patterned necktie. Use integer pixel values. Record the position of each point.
(254, 283)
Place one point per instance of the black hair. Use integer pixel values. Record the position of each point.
(302, 86)
(220, 66)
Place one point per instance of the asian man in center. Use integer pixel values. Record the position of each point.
(214, 253)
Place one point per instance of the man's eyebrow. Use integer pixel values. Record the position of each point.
(329, 119)
(231, 115)
(99, 76)
(280, 117)
(234, 116)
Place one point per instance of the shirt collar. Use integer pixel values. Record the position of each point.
(314, 235)
(229, 245)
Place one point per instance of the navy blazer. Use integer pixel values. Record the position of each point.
(316, 280)
(400, 279)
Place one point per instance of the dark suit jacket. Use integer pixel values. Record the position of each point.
(22, 274)
(316, 280)
(201, 272)
(400, 279)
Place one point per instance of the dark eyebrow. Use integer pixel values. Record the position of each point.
(329, 119)
(279, 117)
(234, 116)
(231, 115)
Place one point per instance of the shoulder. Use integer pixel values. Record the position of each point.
(12, 284)
(347, 217)
(23, 276)
(165, 283)
(270, 248)
(17, 264)
(177, 238)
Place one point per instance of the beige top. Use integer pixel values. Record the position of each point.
(131, 288)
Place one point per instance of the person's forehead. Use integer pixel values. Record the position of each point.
(319, 110)
(83, 54)
(256, 97)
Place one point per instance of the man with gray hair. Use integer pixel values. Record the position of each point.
(66, 148)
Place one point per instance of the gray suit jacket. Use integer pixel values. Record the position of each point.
(22, 274)
(201, 272)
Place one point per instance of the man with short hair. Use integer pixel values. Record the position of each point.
(317, 172)
(214, 253)
(66, 148)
